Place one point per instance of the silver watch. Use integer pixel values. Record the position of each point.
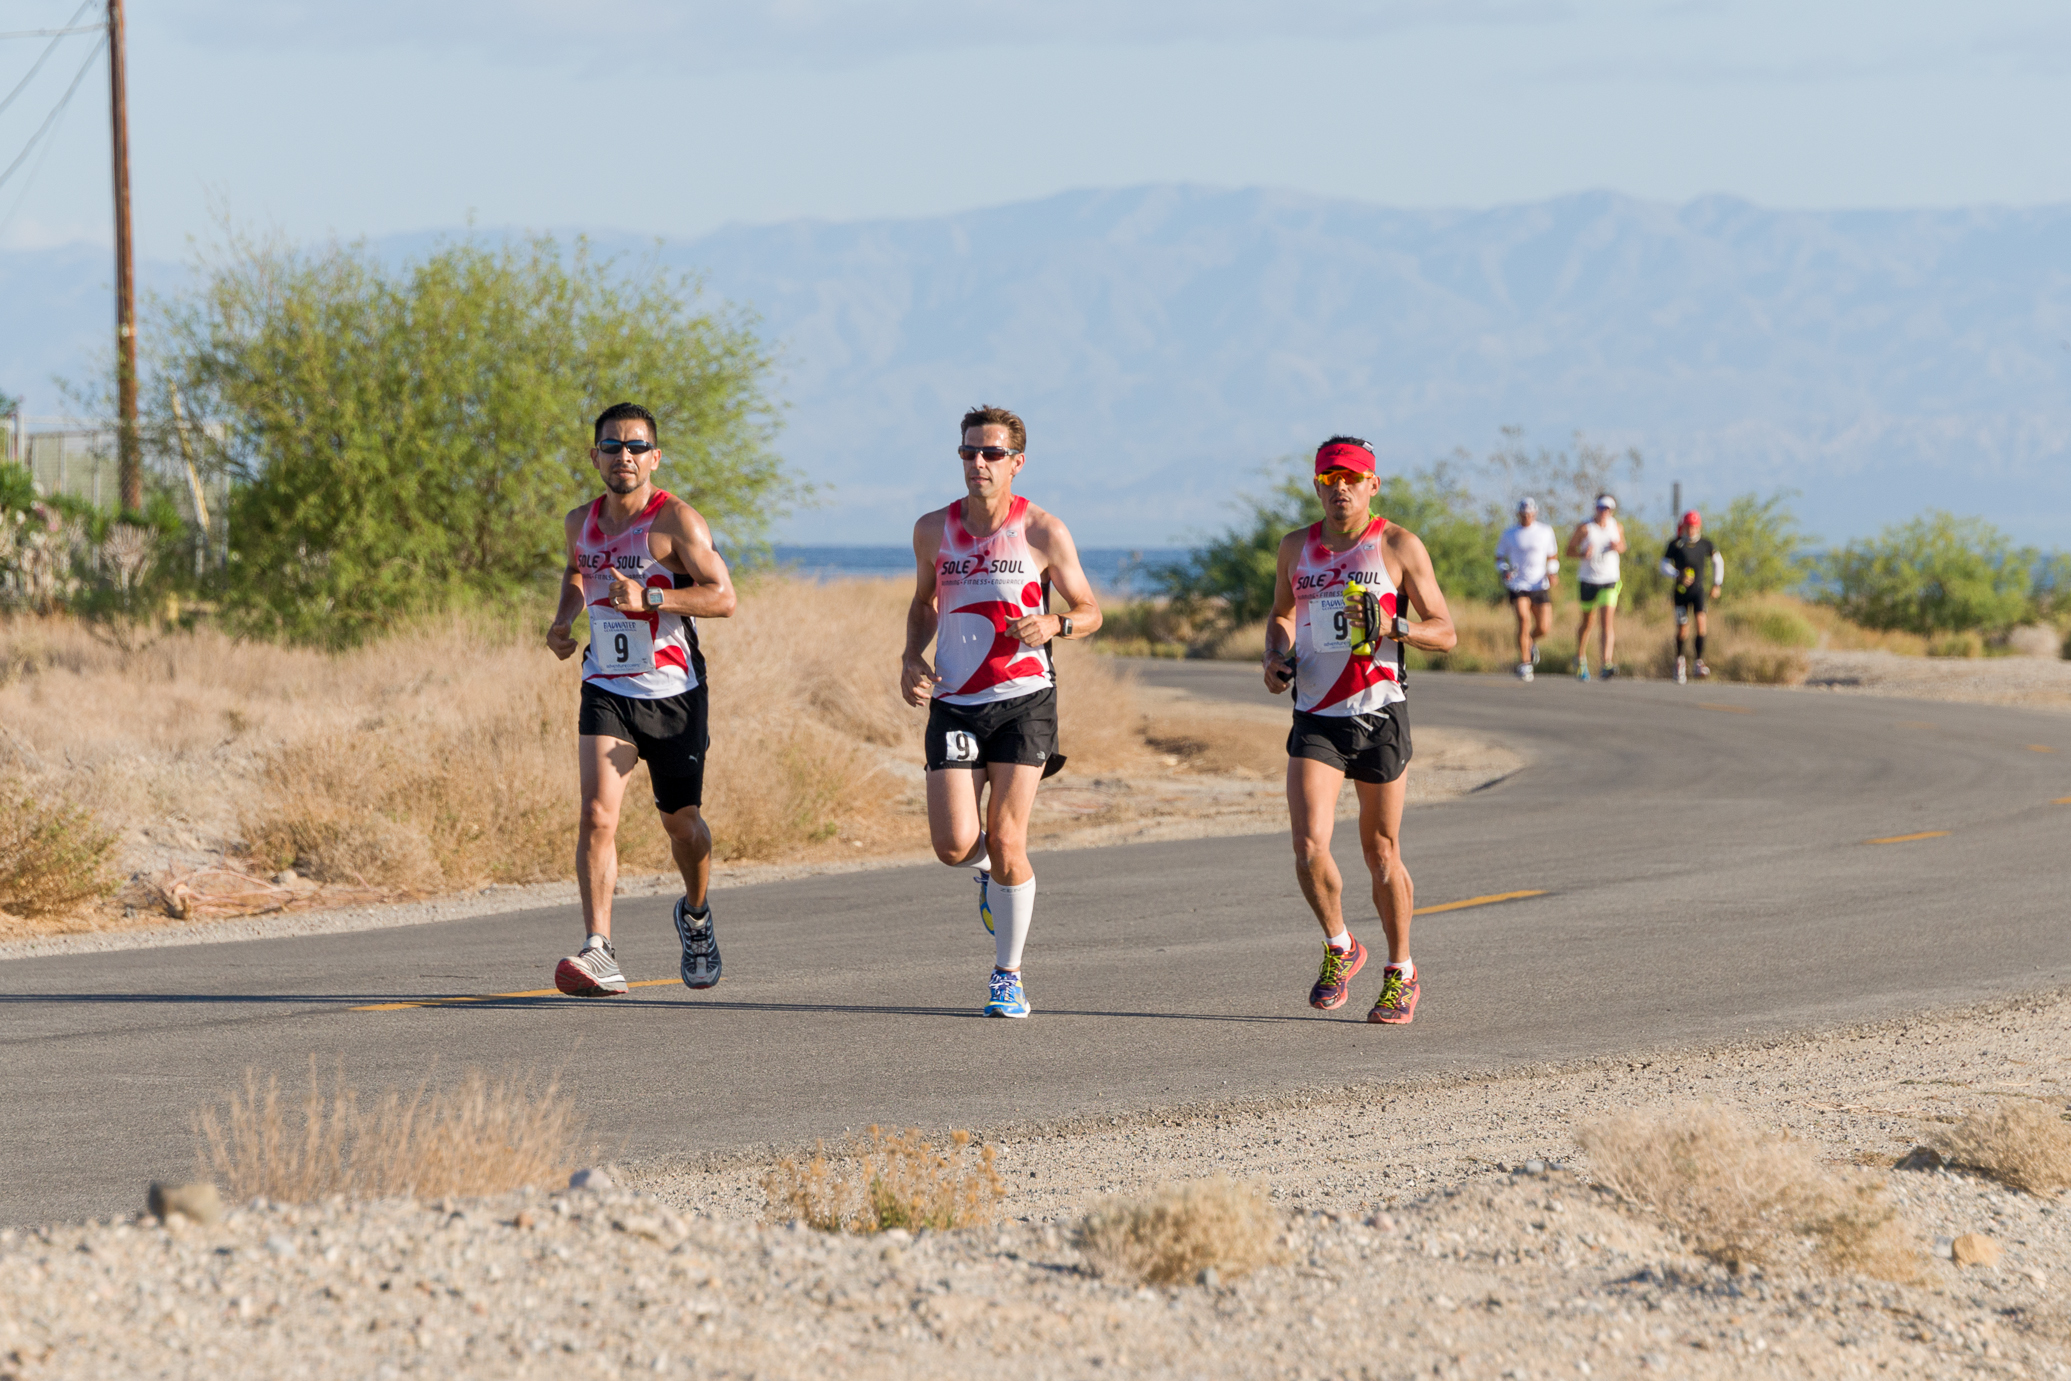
(653, 596)
(1064, 628)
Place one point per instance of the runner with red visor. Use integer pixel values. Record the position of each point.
(1336, 636)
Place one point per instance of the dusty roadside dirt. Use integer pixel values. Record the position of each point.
(1442, 1228)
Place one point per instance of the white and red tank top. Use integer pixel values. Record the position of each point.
(1329, 679)
(641, 653)
(980, 584)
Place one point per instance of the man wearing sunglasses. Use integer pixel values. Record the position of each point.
(1341, 651)
(641, 562)
(984, 568)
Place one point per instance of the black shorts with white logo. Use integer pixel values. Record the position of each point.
(670, 734)
(1022, 730)
(1365, 747)
(1539, 596)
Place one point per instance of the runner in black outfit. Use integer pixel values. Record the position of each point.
(1696, 567)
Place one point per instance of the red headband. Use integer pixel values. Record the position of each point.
(1341, 455)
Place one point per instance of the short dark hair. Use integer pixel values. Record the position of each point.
(986, 415)
(1343, 440)
(627, 412)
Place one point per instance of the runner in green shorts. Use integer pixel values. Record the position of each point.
(1598, 543)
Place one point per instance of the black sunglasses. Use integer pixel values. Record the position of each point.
(992, 454)
(613, 446)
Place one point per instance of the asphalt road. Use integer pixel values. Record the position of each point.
(1702, 849)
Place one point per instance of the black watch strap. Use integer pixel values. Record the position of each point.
(1064, 622)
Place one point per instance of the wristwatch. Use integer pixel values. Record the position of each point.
(1064, 625)
(654, 597)
(1399, 629)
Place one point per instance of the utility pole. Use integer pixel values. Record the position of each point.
(128, 467)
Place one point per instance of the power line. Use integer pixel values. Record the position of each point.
(56, 111)
(44, 56)
(51, 33)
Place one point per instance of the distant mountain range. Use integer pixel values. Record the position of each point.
(1164, 342)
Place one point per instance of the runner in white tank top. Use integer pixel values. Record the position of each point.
(1599, 543)
(641, 564)
(984, 567)
(1344, 658)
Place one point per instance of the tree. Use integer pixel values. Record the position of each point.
(1936, 574)
(400, 437)
(1764, 547)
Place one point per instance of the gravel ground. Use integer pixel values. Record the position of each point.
(2038, 682)
(1421, 1236)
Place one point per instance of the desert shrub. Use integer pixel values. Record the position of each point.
(53, 856)
(1936, 574)
(1764, 547)
(1739, 1194)
(1772, 623)
(2021, 1142)
(1179, 1232)
(888, 1180)
(485, 1135)
(1965, 644)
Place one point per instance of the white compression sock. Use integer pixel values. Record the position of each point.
(979, 859)
(1012, 909)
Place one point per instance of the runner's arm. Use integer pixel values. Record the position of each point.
(1618, 537)
(1051, 540)
(560, 635)
(691, 553)
(1433, 631)
(916, 677)
(1279, 658)
(1578, 543)
(1668, 567)
(1718, 572)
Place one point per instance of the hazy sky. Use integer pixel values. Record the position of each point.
(673, 118)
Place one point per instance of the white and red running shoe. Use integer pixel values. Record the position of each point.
(591, 971)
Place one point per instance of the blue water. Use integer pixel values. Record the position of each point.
(1120, 569)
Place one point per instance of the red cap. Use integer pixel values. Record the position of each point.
(1343, 455)
(1693, 516)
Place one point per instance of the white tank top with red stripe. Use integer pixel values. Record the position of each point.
(980, 584)
(640, 653)
(1329, 679)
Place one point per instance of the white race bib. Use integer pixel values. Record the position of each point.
(1328, 629)
(622, 647)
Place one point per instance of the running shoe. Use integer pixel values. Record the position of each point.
(1524, 671)
(984, 881)
(1702, 671)
(1535, 654)
(700, 967)
(1682, 671)
(1334, 983)
(1004, 998)
(1609, 672)
(1581, 671)
(591, 971)
(1397, 1004)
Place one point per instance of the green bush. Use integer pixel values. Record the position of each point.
(1764, 548)
(1936, 574)
(404, 437)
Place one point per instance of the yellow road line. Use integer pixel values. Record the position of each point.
(1907, 838)
(491, 997)
(1725, 709)
(1477, 901)
(2062, 801)
(2040, 748)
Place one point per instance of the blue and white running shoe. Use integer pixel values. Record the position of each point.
(1006, 998)
(700, 966)
(984, 881)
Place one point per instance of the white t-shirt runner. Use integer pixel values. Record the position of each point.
(639, 653)
(1599, 558)
(1527, 548)
(981, 583)
(1328, 678)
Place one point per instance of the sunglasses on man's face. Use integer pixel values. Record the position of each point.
(992, 455)
(1334, 478)
(613, 446)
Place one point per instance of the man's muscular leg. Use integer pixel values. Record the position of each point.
(1522, 607)
(953, 815)
(1380, 839)
(1011, 802)
(690, 844)
(1312, 801)
(606, 763)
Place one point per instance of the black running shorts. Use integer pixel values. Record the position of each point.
(1365, 747)
(1544, 596)
(671, 735)
(1021, 730)
(1696, 597)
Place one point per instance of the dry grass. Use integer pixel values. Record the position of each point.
(889, 1180)
(53, 856)
(1742, 1195)
(2021, 1142)
(482, 1136)
(1179, 1232)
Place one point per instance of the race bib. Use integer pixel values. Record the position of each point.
(622, 647)
(1329, 630)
